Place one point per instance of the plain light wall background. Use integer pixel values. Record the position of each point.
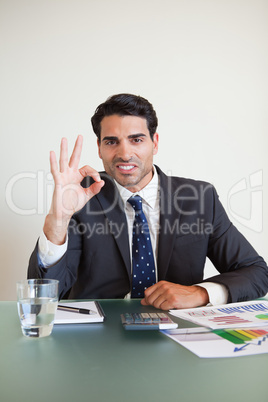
(202, 63)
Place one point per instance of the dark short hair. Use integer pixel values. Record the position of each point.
(125, 105)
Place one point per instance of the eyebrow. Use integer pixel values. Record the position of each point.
(113, 138)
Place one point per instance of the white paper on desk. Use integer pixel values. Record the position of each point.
(66, 317)
(206, 343)
(234, 315)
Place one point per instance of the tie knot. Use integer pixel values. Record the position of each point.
(136, 203)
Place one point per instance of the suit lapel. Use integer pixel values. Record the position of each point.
(113, 208)
(167, 219)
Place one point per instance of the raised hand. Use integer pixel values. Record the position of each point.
(69, 196)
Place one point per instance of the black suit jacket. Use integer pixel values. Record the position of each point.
(193, 226)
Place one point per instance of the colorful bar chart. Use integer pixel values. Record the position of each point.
(262, 316)
(241, 336)
(229, 320)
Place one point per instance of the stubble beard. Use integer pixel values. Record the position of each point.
(129, 180)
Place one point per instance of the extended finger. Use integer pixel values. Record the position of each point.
(76, 154)
(63, 154)
(53, 164)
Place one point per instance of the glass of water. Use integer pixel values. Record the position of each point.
(37, 305)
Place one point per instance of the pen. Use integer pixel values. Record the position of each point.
(75, 309)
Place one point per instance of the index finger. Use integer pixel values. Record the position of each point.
(63, 154)
(89, 171)
(53, 163)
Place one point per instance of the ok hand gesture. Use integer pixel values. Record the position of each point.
(69, 196)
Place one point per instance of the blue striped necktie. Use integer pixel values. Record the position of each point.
(143, 267)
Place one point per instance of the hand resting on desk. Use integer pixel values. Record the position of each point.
(166, 295)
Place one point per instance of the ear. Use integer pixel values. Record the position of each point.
(155, 143)
(99, 151)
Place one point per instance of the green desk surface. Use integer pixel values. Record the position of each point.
(103, 362)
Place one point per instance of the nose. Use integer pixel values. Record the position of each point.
(124, 151)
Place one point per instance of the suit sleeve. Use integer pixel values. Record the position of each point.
(65, 270)
(243, 271)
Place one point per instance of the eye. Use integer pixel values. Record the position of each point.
(137, 140)
(110, 142)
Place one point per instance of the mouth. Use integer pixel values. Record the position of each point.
(126, 168)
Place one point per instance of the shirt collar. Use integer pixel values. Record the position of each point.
(149, 193)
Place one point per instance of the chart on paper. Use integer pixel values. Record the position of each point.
(222, 342)
(235, 315)
(243, 336)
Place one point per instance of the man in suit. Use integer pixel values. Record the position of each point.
(87, 238)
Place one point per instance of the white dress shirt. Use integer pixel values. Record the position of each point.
(49, 253)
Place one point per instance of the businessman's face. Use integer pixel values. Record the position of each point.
(126, 150)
